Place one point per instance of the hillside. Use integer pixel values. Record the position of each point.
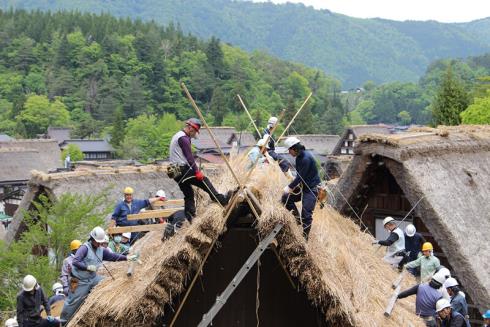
(354, 50)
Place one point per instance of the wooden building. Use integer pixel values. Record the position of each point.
(345, 145)
(447, 171)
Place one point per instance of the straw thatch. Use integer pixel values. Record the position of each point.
(145, 180)
(19, 157)
(450, 167)
(338, 268)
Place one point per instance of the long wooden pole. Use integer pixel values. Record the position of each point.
(249, 116)
(294, 117)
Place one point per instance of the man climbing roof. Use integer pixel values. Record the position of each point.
(395, 242)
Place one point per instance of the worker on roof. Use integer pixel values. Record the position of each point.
(486, 318)
(458, 301)
(67, 266)
(427, 262)
(29, 302)
(307, 180)
(395, 242)
(427, 296)
(259, 153)
(271, 123)
(413, 244)
(130, 206)
(87, 260)
(58, 294)
(448, 317)
(120, 243)
(184, 170)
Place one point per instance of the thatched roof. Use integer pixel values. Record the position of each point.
(145, 181)
(450, 167)
(338, 268)
(19, 157)
(357, 131)
(59, 134)
(322, 144)
(222, 134)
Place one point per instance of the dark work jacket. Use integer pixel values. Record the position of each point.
(307, 172)
(29, 306)
(414, 245)
(455, 320)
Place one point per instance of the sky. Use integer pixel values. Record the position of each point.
(448, 11)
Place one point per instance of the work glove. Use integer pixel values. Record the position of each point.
(162, 198)
(92, 268)
(374, 242)
(133, 257)
(50, 319)
(287, 189)
(199, 175)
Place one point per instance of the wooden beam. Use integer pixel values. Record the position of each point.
(173, 202)
(137, 228)
(391, 303)
(160, 213)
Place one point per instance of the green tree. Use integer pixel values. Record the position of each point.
(75, 153)
(404, 117)
(478, 112)
(43, 246)
(451, 99)
(39, 113)
(117, 130)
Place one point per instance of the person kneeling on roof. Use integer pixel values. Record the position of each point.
(307, 179)
(259, 154)
(185, 171)
(58, 294)
(427, 262)
(449, 317)
(395, 242)
(271, 146)
(458, 300)
(87, 260)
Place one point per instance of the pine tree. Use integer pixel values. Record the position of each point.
(450, 100)
(118, 126)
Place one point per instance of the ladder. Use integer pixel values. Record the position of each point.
(252, 259)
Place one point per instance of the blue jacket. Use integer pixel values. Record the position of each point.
(458, 303)
(414, 245)
(122, 211)
(307, 172)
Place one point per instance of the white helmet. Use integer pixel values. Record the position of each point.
(450, 282)
(444, 272)
(388, 220)
(410, 230)
(290, 141)
(160, 193)
(272, 121)
(29, 283)
(12, 322)
(263, 142)
(98, 234)
(57, 286)
(442, 304)
(106, 239)
(126, 235)
(440, 277)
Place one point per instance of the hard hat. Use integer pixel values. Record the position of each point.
(106, 239)
(427, 246)
(291, 141)
(12, 322)
(486, 315)
(126, 235)
(29, 283)
(387, 220)
(272, 121)
(444, 272)
(56, 286)
(98, 234)
(194, 123)
(160, 193)
(410, 230)
(128, 190)
(442, 304)
(439, 277)
(75, 244)
(450, 282)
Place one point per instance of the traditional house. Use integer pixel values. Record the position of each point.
(443, 176)
(59, 134)
(145, 180)
(334, 279)
(92, 149)
(345, 145)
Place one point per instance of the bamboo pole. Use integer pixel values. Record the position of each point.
(294, 117)
(391, 303)
(398, 281)
(249, 116)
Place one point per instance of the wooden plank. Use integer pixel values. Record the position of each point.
(172, 202)
(391, 303)
(153, 214)
(137, 228)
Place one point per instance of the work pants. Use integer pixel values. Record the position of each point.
(185, 185)
(75, 299)
(393, 260)
(308, 203)
(40, 323)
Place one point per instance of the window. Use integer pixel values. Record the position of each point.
(351, 136)
(343, 150)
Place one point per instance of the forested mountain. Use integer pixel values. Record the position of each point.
(354, 50)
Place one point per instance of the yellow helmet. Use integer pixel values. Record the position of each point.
(75, 244)
(128, 190)
(427, 246)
